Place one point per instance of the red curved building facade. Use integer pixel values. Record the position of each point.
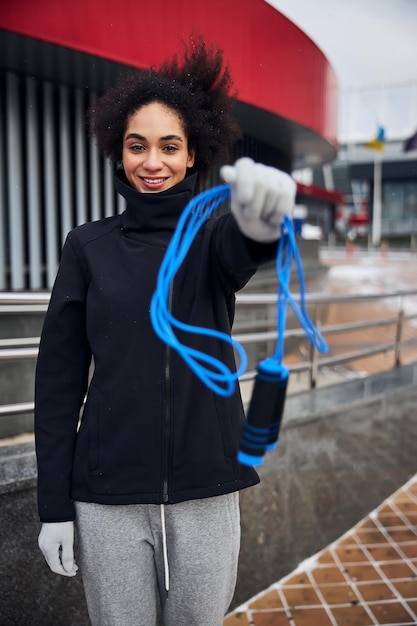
(54, 53)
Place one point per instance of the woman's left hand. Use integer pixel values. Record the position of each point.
(261, 197)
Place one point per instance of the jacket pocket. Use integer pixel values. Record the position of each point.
(225, 426)
(91, 416)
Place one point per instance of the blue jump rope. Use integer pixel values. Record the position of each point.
(261, 430)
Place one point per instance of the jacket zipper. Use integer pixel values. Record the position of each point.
(167, 413)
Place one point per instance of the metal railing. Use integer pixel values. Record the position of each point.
(262, 331)
(316, 362)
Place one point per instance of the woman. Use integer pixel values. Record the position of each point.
(150, 474)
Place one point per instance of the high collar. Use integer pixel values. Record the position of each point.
(154, 211)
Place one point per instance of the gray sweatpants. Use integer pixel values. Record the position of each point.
(121, 558)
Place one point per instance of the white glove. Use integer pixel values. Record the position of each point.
(56, 541)
(261, 197)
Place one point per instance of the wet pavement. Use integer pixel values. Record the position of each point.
(358, 273)
(366, 273)
(361, 273)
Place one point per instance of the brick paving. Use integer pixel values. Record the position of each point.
(367, 577)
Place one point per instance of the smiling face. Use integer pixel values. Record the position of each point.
(155, 149)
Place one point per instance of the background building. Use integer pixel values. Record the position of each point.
(56, 57)
(378, 88)
(360, 157)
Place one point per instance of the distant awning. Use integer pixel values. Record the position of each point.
(320, 193)
(359, 219)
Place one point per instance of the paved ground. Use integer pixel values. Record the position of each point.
(367, 577)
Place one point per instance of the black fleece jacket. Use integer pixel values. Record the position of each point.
(150, 432)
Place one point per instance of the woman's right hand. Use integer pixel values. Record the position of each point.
(56, 541)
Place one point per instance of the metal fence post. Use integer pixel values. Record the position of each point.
(314, 356)
(398, 337)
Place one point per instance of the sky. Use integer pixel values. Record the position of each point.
(368, 42)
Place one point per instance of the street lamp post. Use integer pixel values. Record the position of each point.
(377, 201)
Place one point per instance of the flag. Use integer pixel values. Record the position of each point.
(378, 142)
(410, 143)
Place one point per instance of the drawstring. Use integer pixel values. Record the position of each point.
(164, 548)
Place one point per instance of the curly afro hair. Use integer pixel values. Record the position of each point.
(198, 88)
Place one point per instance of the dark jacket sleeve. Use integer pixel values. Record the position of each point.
(61, 382)
(239, 256)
